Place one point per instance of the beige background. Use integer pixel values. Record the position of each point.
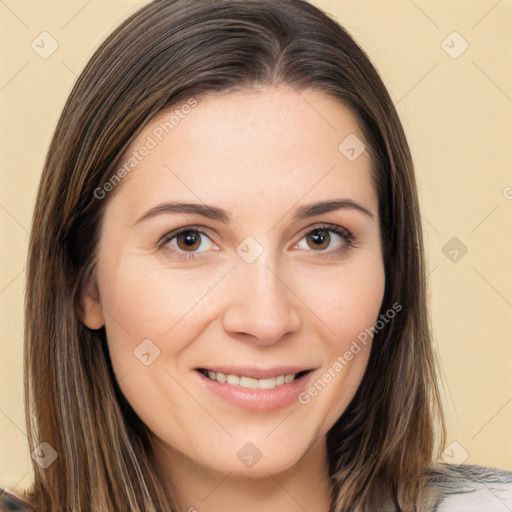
(457, 113)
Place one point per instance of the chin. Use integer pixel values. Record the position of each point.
(265, 454)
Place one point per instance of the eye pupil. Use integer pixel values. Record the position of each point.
(188, 240)
(321, 238)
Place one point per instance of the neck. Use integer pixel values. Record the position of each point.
(304, 486)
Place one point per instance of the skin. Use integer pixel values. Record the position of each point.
(259, 155)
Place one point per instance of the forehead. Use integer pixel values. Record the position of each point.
(276, 145)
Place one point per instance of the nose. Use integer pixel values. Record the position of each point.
(262, 308)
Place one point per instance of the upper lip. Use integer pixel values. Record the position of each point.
(254, 372)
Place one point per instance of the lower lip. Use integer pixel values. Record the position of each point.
(259, 400)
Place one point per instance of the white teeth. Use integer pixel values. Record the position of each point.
(267, 383)
(233, 380)
(249, 382)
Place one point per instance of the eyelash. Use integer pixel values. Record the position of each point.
(332, 228)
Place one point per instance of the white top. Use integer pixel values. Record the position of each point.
(470, 488)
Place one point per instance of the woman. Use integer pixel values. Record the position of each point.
(226, 293)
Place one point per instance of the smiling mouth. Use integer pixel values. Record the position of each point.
(251, 383)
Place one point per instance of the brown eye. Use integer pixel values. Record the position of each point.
(188, 243)
(318, 239)
(188, 240)
(325, 239)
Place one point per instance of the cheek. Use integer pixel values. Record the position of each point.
(346, 305)
(345, 301)
(145, 302)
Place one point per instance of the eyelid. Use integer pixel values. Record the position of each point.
(328, 227)
(169, 236)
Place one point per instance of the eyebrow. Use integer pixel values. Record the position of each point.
(219, 214)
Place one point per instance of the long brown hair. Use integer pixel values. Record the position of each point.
(383, 447)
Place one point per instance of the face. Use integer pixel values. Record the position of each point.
(238, 263)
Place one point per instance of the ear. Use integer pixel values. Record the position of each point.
(90, 311)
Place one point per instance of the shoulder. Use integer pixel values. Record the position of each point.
(471, 488)
(10, 502)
